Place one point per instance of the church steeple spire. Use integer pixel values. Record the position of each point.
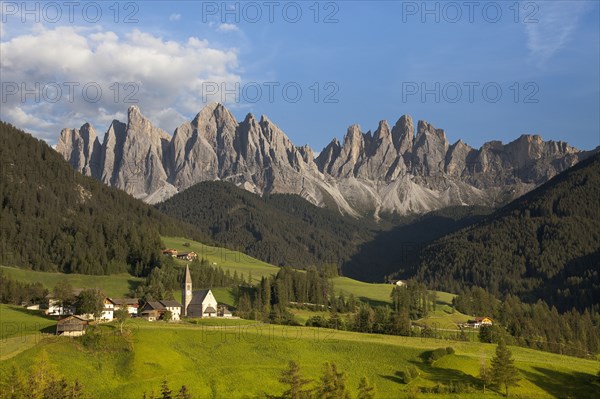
(186, 290)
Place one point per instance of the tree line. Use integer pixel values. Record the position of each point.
(20, 292)
(538, 325)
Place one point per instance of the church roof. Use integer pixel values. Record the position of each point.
(199, 296)
(188, 276)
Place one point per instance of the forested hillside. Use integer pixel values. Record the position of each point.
(394, 251)
(278, 229)
(54, 219)
(544, 245)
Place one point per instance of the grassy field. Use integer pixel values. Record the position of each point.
(225, 258)
(244, 360)
(21, 329)
(115, 285)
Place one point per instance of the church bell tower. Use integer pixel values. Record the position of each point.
(186, 291)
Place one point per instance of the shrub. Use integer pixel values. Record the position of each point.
(408, 374)
(438, 354)
(317, 321)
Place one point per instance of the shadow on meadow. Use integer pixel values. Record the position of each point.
(373, 302)
(563, 385)
(434, 374)
(29, 312)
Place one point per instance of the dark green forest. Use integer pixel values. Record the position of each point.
(279, 229)
(545, 244)
(394, 250)
(54, 219)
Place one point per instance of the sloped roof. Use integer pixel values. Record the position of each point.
(124, 301)
(171, 304)
(198, 297)
(188, 276)
(154, 305)
(210, 309)
(71, 323)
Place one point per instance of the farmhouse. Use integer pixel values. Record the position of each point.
(479, 322)
(197, 303)
(53, 306)
(399, 283)
(131, 304)
(71, 326)
(187, 256)
(108, 310)
(222, 311)
(154, 310)
(170, 252)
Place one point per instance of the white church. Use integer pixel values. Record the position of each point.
(200, 303)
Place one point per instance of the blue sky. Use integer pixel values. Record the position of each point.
(367, 60)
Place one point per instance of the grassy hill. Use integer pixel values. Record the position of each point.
(223, 257)
(246, 360)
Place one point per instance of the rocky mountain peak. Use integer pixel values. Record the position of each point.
(403, 134)
(392, 170)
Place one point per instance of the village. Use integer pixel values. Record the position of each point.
(194, 304)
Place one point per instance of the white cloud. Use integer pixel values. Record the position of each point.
(225, 27)
(162, 75)
(174, 17)
(556, 22)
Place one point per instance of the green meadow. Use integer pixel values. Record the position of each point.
(239, 358)
(225, 258)
(115, 285)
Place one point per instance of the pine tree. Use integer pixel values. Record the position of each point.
(365, 389)
(292, 377)
(504, 372)
(333, 383)
(184, 393)
(165, 391)
(76, 390)
(485, 375)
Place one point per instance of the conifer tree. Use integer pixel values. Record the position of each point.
(504, 372)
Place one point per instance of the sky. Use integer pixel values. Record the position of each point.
(479, 70)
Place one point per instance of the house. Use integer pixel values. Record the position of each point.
(170, 252)
(108, 310)
(154, 310)
(479, 322)
(53, 307)
(131, 304)
(187, 256)
(71, 326)
(399, 283)
(222, 311)
(197, 303)
(174, 307)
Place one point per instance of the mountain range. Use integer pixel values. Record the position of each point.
(391, 170)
